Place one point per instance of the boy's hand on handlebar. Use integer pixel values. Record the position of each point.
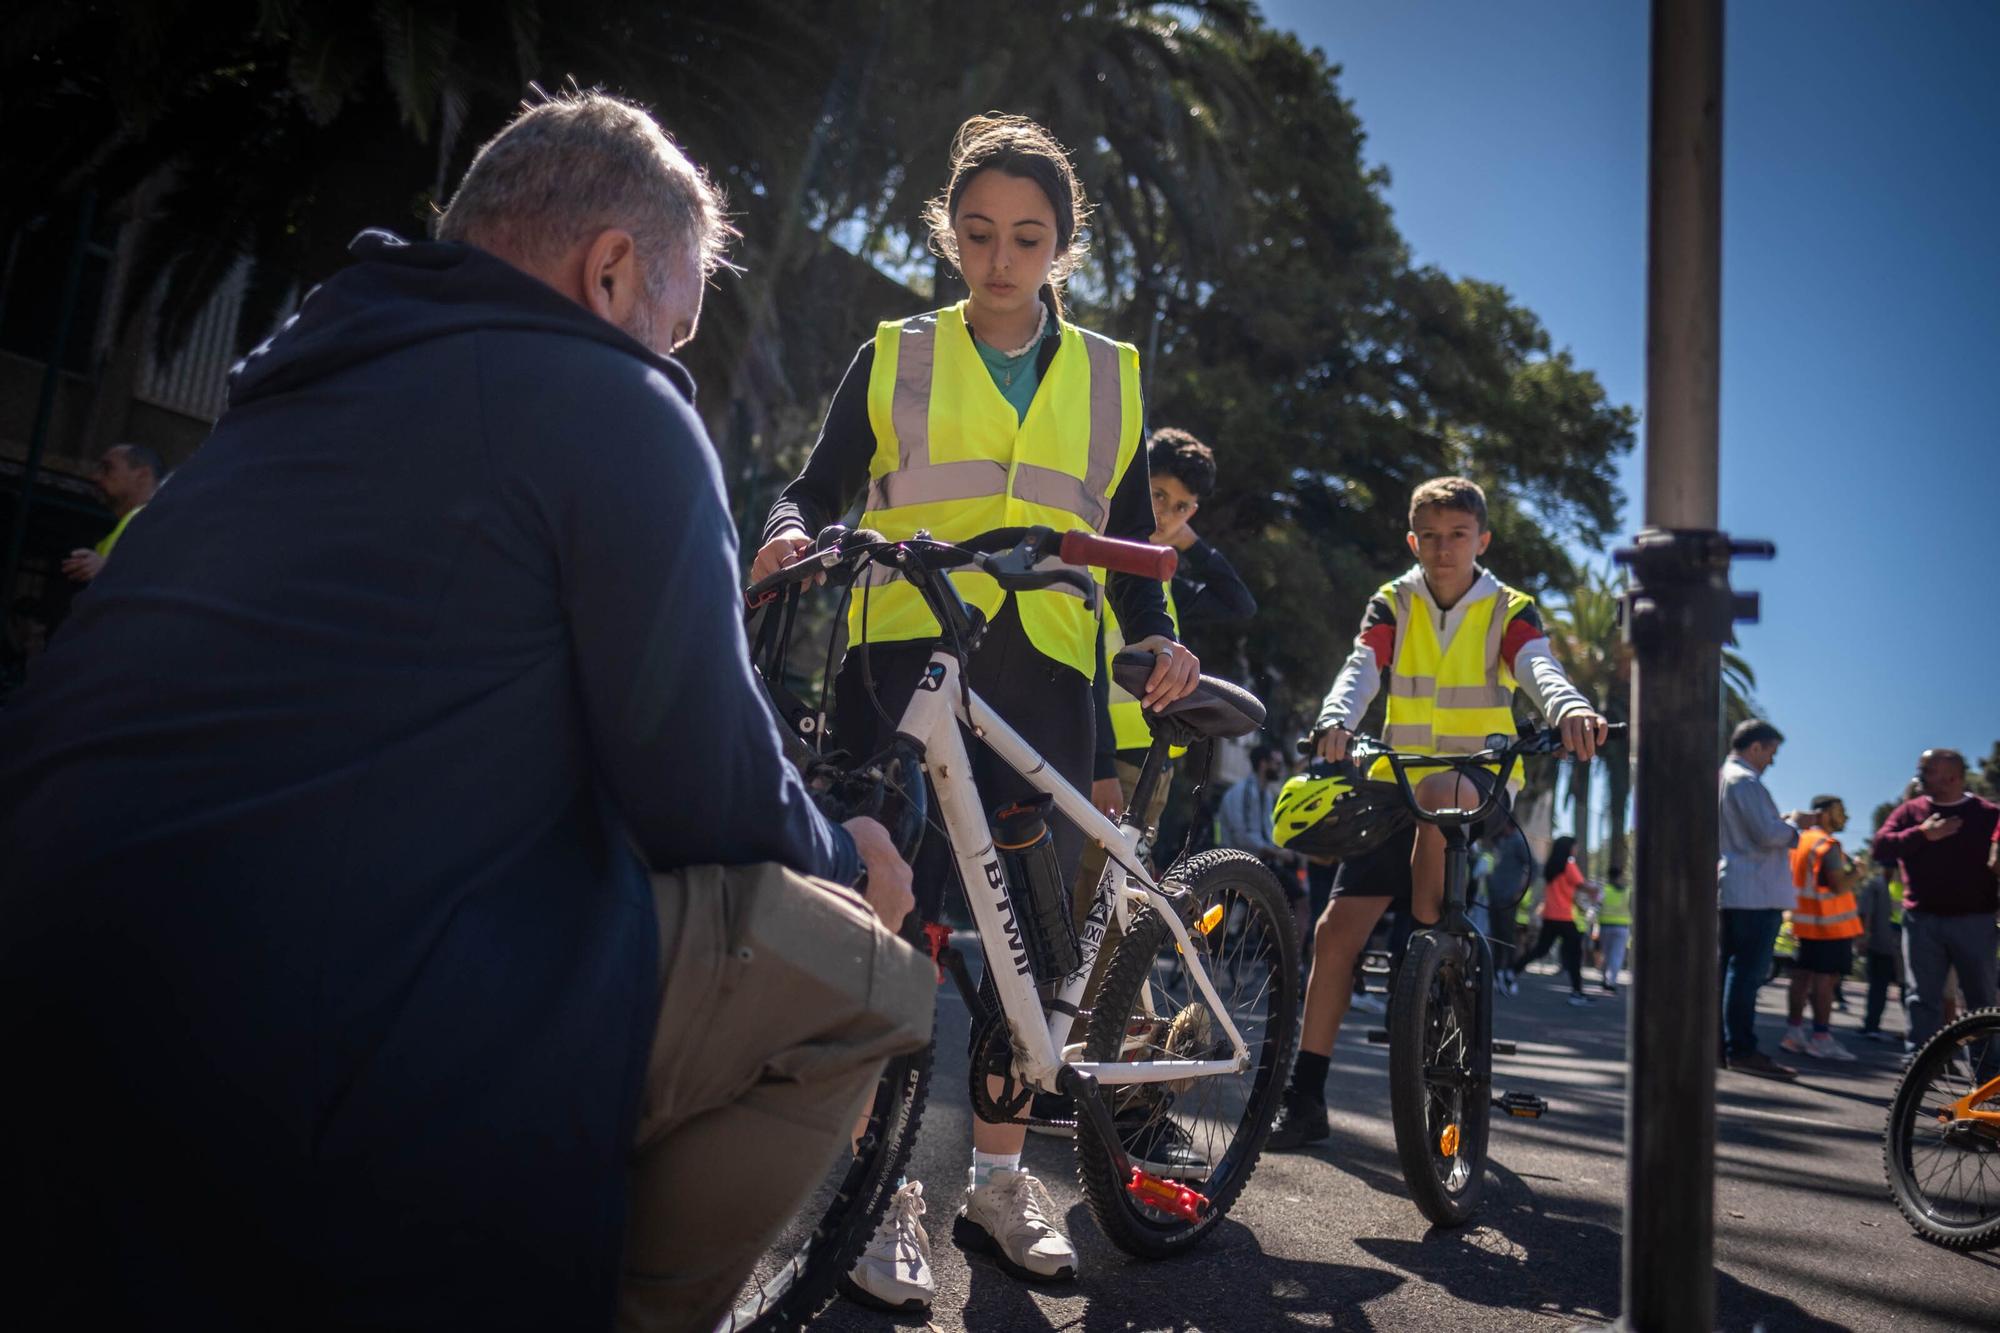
(888, 889)
(773, 554)
(1582, 733)
(1333, 743)
(1176, 671)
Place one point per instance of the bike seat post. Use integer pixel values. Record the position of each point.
(1151, 773)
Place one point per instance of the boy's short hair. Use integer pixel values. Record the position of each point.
(1460, 493)
(1825, 803)
(1184, 458)
(1753, 732)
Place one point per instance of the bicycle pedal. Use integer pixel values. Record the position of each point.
(1522, 1105)
(1378, 1036)
(1503, 1048)
(1167, 1196)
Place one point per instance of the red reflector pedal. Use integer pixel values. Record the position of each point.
(1166, 1195)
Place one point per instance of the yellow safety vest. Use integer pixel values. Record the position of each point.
(103, 548)
(1896, 902)
(1616, 909)
(1448, 698)
(954, 458)
(1128, 715)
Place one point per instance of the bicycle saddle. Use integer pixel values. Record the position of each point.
(1215, 708)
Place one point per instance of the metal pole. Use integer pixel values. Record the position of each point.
(1681, 566)
(38, 439)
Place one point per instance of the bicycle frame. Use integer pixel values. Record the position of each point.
(1042, 1040)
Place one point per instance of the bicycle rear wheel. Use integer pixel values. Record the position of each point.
(1943, 1167)
(1437, 1102)
(797, 1273)
(1148, 1008)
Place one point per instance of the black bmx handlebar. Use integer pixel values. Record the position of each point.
(1505, 751)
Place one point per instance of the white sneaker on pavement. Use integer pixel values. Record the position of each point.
(1009, 1218)
(1794, 1040)
(894, 1272)
(1824, 1047)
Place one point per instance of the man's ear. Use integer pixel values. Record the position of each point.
(611, 276)
(1485, 540)
(1410, 540)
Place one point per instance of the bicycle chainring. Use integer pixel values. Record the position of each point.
(993, 1057)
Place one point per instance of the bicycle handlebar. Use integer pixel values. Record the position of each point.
(1157, 563)
(1364, 750)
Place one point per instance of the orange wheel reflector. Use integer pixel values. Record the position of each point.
(1210, 919)
(1448, 1141)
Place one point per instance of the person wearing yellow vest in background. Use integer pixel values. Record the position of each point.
(1881, 901)
(1205, 592)
(1452, 642)
(995, 412)
(126, 476)
(1826, 921)
(1614, 924)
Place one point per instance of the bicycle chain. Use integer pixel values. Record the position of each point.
(993, 1057)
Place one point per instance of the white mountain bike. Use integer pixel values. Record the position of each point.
(1193, 1018)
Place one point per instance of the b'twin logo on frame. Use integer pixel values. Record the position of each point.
(997, 881)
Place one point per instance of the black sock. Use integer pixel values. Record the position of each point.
(1309, 1075)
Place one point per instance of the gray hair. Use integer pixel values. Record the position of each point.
(569, 167)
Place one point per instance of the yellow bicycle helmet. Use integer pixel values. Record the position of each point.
(1330, 812)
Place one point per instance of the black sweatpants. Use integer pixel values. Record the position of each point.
(1048, 703)
(1572, 951)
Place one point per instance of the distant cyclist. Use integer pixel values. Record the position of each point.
(995, 412)
(1451, 642)
(335, 989)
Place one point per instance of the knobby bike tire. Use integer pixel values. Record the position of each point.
(1900, 1139)
(1436, 962)
(1216, 876)
(801, 1287)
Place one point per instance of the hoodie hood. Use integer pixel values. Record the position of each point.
(400, 293)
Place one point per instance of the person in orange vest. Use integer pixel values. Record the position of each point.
(1826, 921)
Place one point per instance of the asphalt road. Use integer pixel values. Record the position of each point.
(1806, 1237)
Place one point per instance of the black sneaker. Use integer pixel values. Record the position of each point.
(1159, 1145)
(1302, 1119)
(1053, 1106)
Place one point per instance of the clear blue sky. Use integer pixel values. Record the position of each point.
(1861, 309)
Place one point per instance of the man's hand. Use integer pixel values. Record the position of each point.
(1333, 742)
(1582, 733)
(83, 565)
(1939, 827)
(774, 554)
(1107, 795)
(1176, 671)
(888, 890)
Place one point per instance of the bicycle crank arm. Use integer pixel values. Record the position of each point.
(1082, 1091)
(1522, 1105)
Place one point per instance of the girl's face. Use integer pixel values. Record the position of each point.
(1006, 230)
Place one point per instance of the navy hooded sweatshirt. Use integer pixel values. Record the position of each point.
(329, 952)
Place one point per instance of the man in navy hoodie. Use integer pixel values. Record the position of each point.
(336, 988)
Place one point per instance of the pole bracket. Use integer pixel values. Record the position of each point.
(1680, 586)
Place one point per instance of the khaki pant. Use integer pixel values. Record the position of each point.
(780, 999)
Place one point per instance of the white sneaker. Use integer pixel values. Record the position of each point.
(1794, 1041)
(1368, 1004)
(1824, 1047)
(894, 1272)
(1008, 1218)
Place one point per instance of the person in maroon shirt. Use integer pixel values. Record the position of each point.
(1943, 840)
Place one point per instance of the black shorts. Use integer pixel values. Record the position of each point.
(1384, 871)
(1831, 957)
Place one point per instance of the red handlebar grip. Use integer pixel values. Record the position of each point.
(1140, 558)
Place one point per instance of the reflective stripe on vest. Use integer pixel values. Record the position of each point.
(953, 457)
(1128, 715)
(1447, 698)
(1821, 913)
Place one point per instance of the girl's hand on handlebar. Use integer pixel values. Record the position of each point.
(1582, 733)
(773, 554)
(888, 887)
(1333, 743)
(1176, 671)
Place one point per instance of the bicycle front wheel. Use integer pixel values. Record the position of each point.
(1205, 1132)
(1438, 1102)
(1942, 1148)
(797, 1273)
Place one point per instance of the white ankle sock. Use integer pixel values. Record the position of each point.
(984, 1164)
